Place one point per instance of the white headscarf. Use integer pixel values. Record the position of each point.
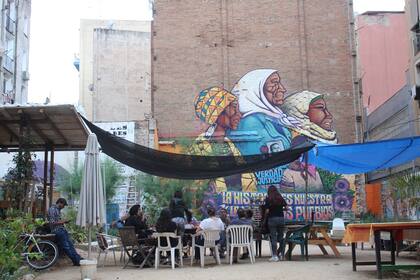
(250, 92)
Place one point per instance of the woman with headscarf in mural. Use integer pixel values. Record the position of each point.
(219, 109)
(260, 94)
(312, 112)
(316, 123)
(263, 127)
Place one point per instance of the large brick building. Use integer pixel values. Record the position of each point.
(197, 44)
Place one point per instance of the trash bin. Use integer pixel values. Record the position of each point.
(88, 269)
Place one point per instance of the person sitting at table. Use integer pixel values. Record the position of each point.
(178, 207)
(165, 224)
(274, 206)
(223, 215)
(136, 220)
(242, 219)
(211, 223)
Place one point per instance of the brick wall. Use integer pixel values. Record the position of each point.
(201, 43)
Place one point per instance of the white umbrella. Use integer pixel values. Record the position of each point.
(91, 210)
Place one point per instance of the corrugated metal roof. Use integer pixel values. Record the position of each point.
(59, 126)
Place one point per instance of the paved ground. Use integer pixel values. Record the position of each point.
(318, 267)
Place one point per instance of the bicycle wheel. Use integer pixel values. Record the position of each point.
(41, 258)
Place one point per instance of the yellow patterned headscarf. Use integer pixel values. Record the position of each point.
(211, 102)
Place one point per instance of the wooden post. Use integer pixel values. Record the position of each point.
(44, 203)
(51, 175)
(306, 186)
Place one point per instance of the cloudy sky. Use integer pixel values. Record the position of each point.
(55, 39)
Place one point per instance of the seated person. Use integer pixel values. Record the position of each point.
(61, 235)
(165, 224)
(244, 218)
(211, 223)
(136, 220)
(223, 215)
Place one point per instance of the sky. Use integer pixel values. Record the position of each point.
(54, 40)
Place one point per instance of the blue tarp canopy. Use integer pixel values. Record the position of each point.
(365, 157)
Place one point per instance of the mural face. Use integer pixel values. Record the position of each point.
(257, 117)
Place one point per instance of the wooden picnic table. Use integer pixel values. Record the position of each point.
(318, 235)
(365, 232)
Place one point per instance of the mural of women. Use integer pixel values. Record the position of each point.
(263, 127)
(260, 94)
(219, 109)
(311, 110)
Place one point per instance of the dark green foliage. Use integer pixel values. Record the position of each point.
(157, 193)
(70, 183)
(11, 246)
(20, 176)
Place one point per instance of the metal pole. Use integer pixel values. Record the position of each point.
(51, 175)
(89, 240)
(45, 208)
(306, 186)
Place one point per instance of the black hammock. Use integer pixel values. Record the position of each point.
(184, 166)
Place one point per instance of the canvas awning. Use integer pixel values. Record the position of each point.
(365, 157)
(58, 126)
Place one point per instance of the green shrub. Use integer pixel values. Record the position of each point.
(11, 245)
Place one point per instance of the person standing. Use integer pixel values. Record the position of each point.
(61, 234)
(274, 207)
(178, 207)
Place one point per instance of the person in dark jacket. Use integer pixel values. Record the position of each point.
(274, 210)
(135, 219)
(165, 224)
(178, 207)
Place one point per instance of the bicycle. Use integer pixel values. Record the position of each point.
(39, 254)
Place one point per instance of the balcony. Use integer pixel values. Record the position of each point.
(10, 25)
(416, 41)
(6, 98)
(9, 64)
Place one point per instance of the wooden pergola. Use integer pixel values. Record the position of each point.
(51, 128)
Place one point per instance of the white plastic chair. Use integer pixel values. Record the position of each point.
(338, 229)
(210, 237)
(168, 248)
(106, 244)
(239, 236)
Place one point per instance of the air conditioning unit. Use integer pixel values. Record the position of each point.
(25, 75)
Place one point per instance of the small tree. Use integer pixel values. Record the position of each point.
(157, 193)
(20, 176)
(70, 183)
(407, 187)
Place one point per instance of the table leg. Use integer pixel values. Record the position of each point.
(353, 254)
(377, 235)
(392, 248)
(323, 250)
(330, 242)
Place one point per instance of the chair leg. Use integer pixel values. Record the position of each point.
(99, 255)
(216, 251)
(231, 255)
(302, 251)
(250, 253)
(106, 254)
(181, 261)
(202, 256)
(173, 258)
(115, 259)
(192, 255)
(157, 258)
(306, 250)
